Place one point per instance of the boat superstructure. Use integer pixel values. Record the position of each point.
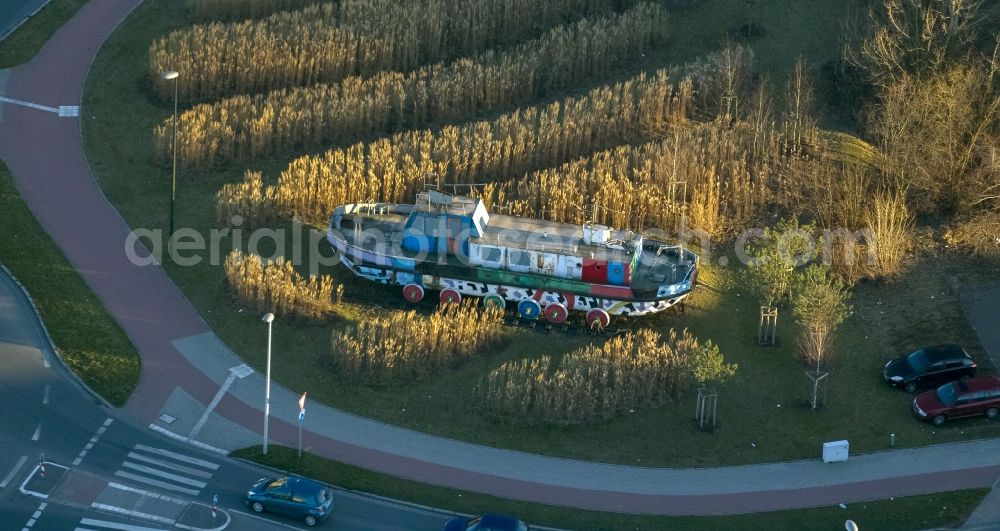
(452, 244)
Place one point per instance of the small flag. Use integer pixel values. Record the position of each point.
(302, 401)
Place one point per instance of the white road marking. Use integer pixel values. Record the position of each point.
(45, 398)
(262, 519)
(211, 406)
(29, 104)
(169, 465)
(108, 421)
(77, 461)
(38, 432)
(13, 471)
(156, 483)
(36, 515)
(115, 525)
(147, 493)
(184, 439)
(180, 457)
(136, 514)
(164, 475)
(242, 371)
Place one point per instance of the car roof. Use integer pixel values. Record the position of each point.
(982, 383)
(944, 352)
(303, 485)
(497, 520)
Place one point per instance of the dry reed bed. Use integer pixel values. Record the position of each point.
(515, 144)
(325, 43)
(309, 118)
(404, 345)
(702, 172)
(209, 10)
(274, 286)
(632, 371)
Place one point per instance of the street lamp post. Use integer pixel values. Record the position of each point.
(268, 318)
(173, 75)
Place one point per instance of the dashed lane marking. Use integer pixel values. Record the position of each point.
(13, 471)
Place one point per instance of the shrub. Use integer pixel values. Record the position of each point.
(275, 286)
(634, 370)
(404, 345)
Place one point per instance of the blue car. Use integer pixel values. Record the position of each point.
(486, 522)
(299, 498)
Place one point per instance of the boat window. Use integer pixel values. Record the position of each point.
(491, 254)
(519, 257)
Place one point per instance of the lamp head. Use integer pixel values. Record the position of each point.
(169, 74)
(268, 317)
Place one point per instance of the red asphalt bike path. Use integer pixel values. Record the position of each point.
(45, 155)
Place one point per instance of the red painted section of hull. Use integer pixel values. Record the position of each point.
(611, 292)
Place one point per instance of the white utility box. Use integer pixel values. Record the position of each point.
(835, 451)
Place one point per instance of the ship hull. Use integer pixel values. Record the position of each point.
(512, 293)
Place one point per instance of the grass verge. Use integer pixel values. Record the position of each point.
(903, 514)
(26, 40)
(88, 338)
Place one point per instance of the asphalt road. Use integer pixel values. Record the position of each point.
(14, 11)
(108, 461)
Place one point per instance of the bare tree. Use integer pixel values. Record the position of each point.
(917, 37)
(798, 120)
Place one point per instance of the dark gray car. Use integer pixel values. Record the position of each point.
(929, 367)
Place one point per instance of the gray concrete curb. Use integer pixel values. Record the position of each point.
(50, 345)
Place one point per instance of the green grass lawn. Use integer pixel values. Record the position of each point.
(88, 338)
(26, 40)
(903, 514)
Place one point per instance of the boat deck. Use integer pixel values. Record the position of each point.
(660, 263)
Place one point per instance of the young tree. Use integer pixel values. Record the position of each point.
(772, 263)
(820, 306)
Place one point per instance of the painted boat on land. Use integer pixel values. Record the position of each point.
(453, 245)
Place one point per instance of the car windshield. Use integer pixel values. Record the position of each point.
(947, 394)
(917, 360)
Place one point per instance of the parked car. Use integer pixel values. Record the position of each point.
(961, 398)
(929, 367)
(296, 497)
(486, 522)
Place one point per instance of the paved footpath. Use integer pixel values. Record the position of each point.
(193, 387)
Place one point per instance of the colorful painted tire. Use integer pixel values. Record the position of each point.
(413, 292)
(556, 313)
(529, 309)
(450, 296)
(494, 301)
(598, 318)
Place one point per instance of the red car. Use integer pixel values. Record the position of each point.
(961, 398)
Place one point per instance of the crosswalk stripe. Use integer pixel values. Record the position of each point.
(156, 483)
(164, 475)
(170, 466)
(114, 525)
(180, 457)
